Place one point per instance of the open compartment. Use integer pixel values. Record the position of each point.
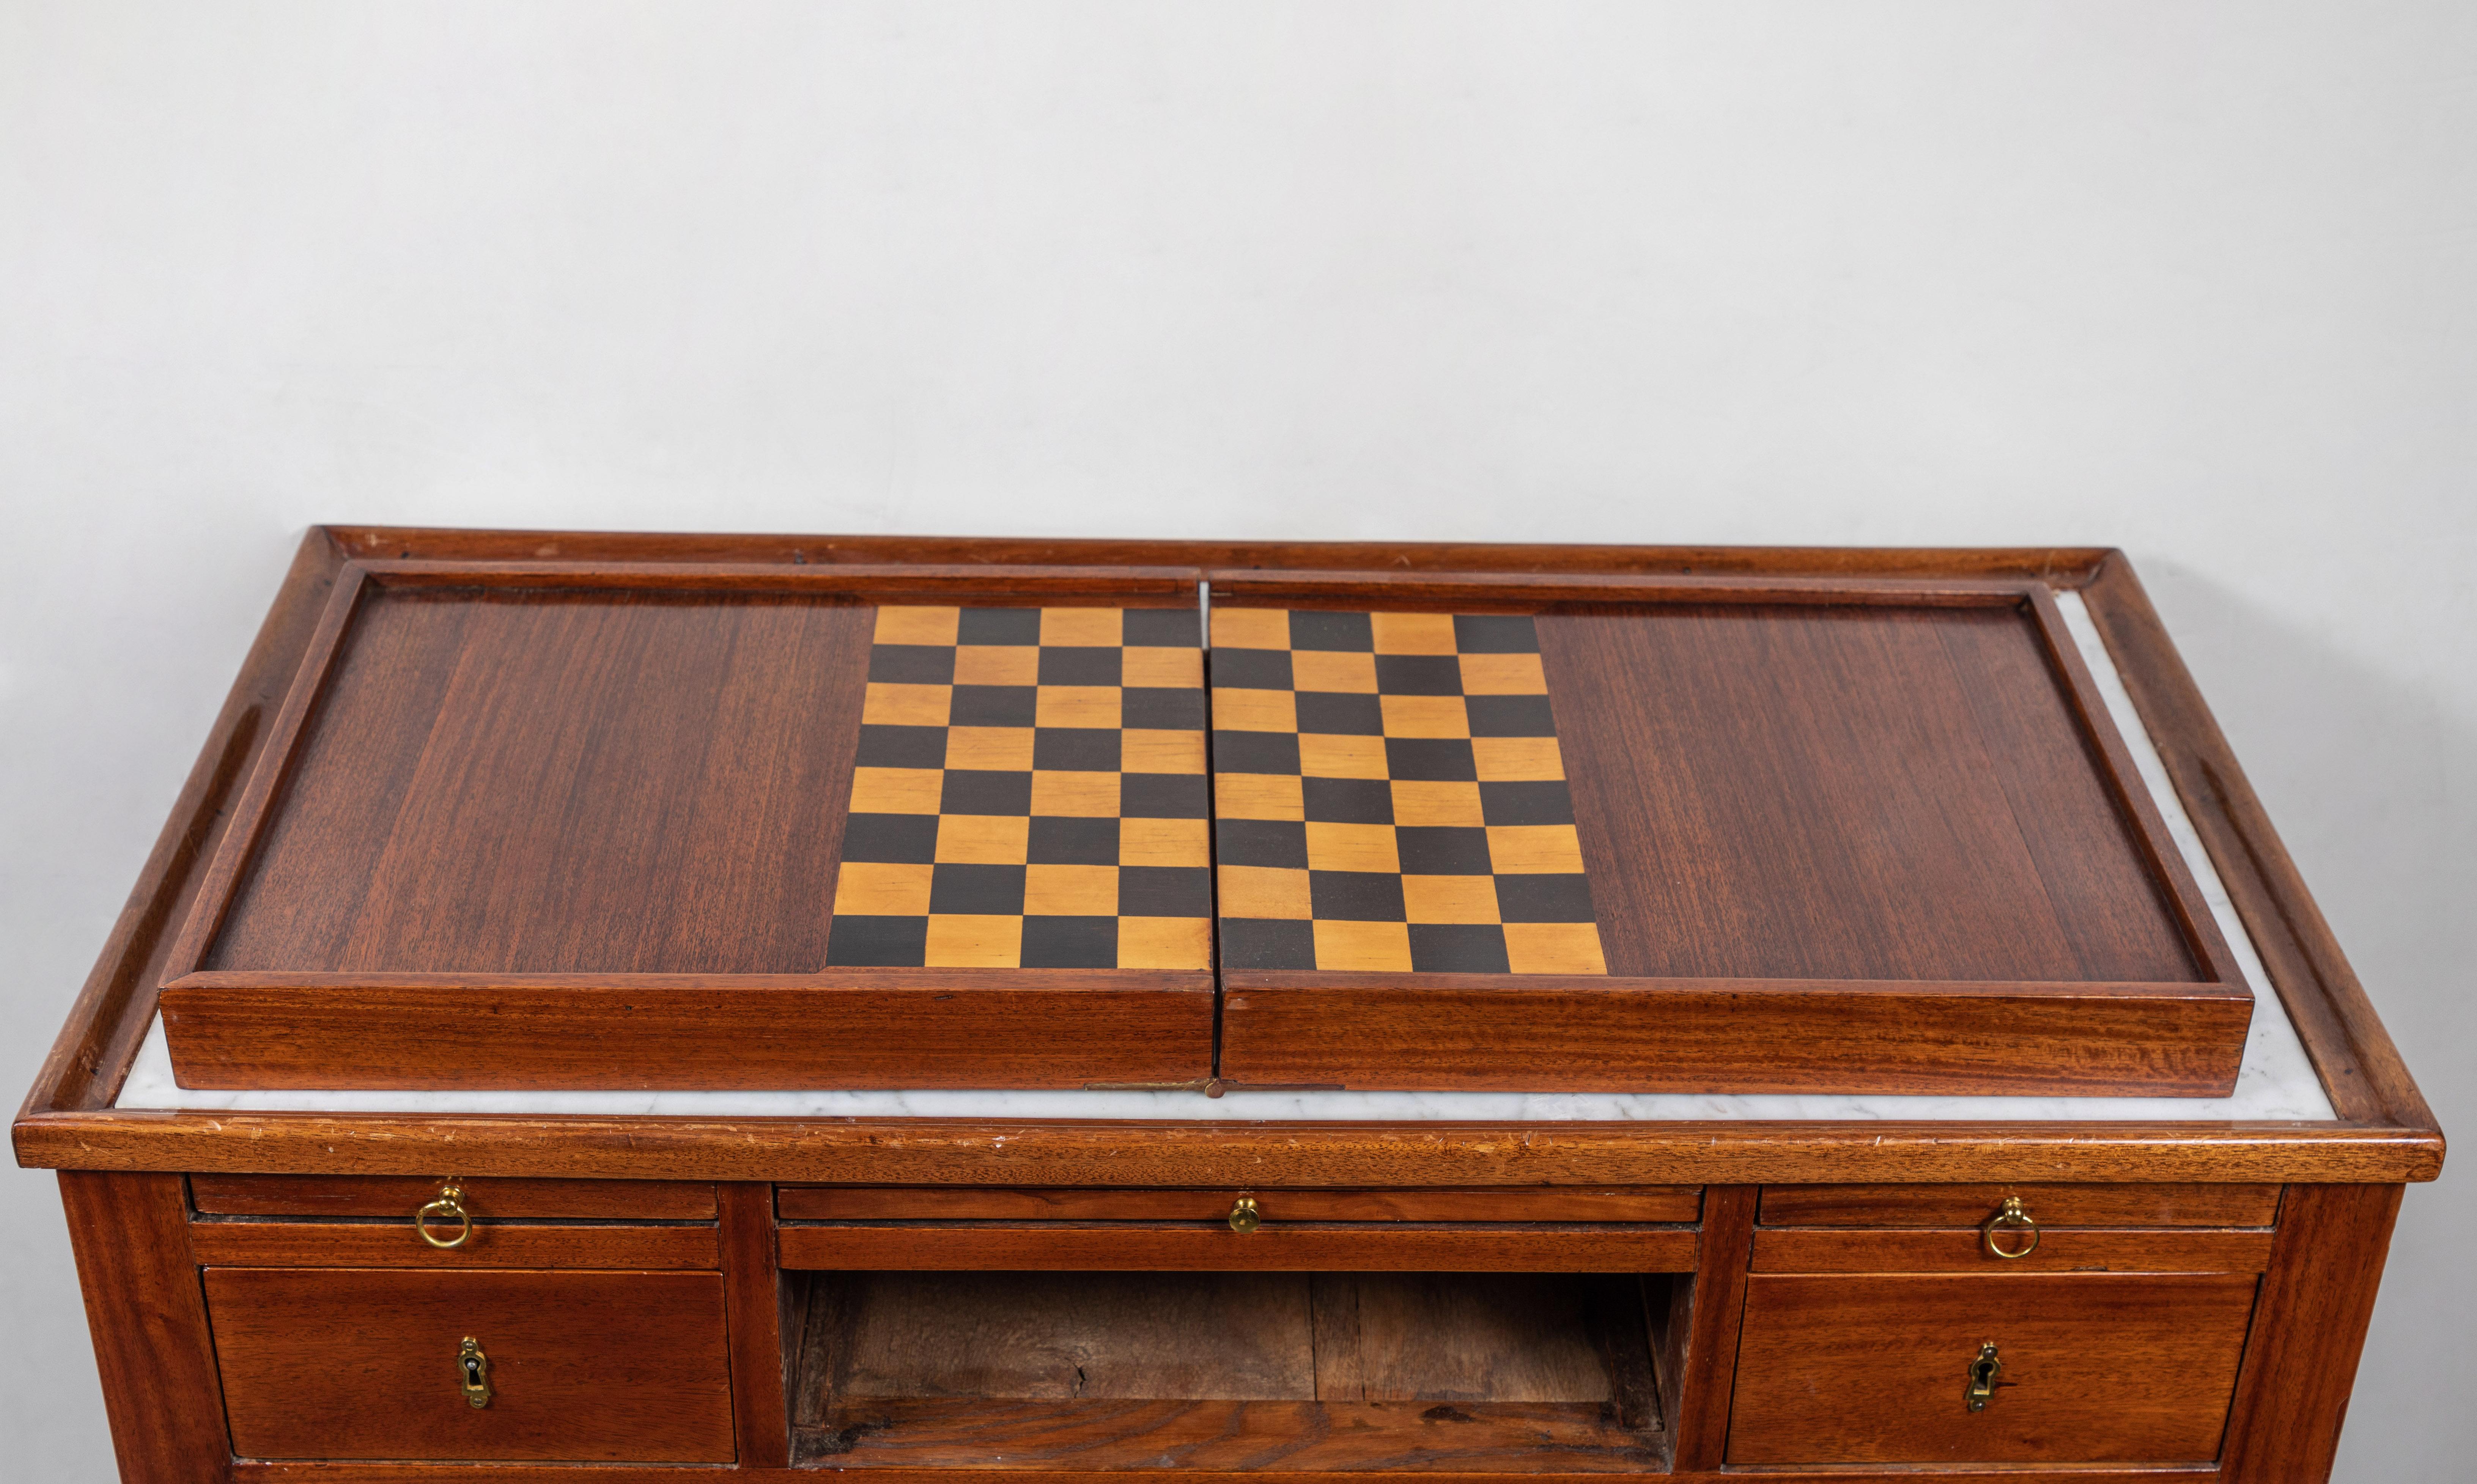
(1459, 1371)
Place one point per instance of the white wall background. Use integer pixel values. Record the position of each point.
(2197, 279)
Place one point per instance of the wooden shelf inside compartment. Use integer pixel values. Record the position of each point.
(1499, 1372)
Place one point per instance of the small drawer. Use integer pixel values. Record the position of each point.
(2094, 1369)
(579, 1366)
(2051, 1205)
(1672, 1203)
(487, 1198)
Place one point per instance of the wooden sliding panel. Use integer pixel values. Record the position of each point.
(487, 1197)
(1520, 1203)
(1321, 1247)
(562, 825)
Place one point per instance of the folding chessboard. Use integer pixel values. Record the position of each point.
(606, 823)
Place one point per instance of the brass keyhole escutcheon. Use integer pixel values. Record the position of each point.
(1983, 1372)
(450, 1205)
(473, 1373)
(2010, 1217)
(1244, 1218)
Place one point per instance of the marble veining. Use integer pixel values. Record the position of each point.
(2276, 1082)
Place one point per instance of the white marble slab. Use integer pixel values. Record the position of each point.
(2276, 1084)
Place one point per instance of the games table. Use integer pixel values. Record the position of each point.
(606, 1004)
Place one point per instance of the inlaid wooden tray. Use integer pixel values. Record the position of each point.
(569, 825)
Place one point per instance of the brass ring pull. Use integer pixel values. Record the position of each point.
(1244, 1218)
(2012, 1217)
(450, 1202)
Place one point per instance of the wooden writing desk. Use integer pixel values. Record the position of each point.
(1193, 1007)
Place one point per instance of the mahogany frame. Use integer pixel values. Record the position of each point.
(2384, 1132)
(123, 1171)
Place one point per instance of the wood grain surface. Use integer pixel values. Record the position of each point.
(1698, 1335)
(1961, 1250)
(147, 1319)
(1330, 1371)
(1520, 1033)
(1865, 794)
(258, 1243)
(1298, 1248)
(978, 1151)
(514, 780)
(2051, 1205)
(842, 1028)
(2310, 1332)
(2098, 1369)
(489, 1198)
(332, 1363)
(1546, 1204)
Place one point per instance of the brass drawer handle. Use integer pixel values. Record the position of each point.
(473, 1373)
(2012, 1217)
(1983, 1372)
(1244, 1218)
(450, 1202)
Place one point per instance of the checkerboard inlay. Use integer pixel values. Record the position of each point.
(1389, 796)
(1030, 793)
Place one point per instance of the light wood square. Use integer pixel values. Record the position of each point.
(916, 624)
(1076, 794)
(1518, 759)
(1077, 705)
(1164, 943)
(889, 705)
(1535, 850)
(1449, 898)
(1070, 891)
(1165, 842)
(1144, 751)
(1425, 716)
(960, 942)
(1345, 672)
(1367, 947)
(1255, 710)
(1325, 757)
(1251, 628)
(1264, 891)
(1257, 796)
(983, 839)
(1084, 628)
(997, 664)
(1503, 675)
(989, 749)
(1413, 633)
(1453, 805)
(1162, 669)
(896, 790)
(1554, 947)
(870, 888)
(1352, 848)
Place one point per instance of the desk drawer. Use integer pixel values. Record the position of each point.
(1533, 1203)
(2096, 1368)
(582, 1367)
